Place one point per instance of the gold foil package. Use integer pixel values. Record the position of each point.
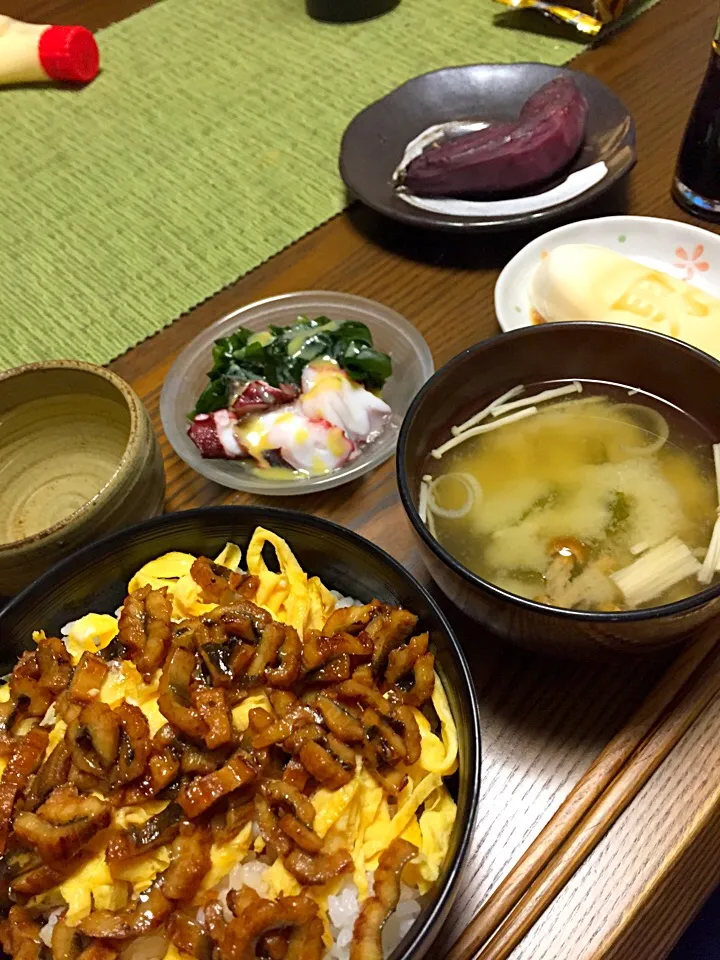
(587, 16)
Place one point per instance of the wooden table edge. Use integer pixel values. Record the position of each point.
(698, 855)
(707, 824)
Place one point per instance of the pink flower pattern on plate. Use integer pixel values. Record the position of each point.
(691, 263)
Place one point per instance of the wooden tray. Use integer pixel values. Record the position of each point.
(558, 739)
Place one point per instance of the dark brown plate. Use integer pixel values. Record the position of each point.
(375, 141)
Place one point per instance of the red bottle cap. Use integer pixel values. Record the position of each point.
(70, 54)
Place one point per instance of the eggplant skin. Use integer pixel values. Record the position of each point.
(506, 156)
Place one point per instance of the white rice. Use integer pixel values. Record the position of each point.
(343, 909)
(46, 931)
(343, 601)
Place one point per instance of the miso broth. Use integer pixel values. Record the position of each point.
(558, 504)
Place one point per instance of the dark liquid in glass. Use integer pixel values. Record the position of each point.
(345, 11)
(697, 179)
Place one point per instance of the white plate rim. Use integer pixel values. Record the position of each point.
(517, 271)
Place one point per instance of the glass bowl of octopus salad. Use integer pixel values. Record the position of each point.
(294, 394)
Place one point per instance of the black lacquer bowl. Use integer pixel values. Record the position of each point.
(95, 579)
(601, 352)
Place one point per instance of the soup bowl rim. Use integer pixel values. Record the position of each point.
(474, 580)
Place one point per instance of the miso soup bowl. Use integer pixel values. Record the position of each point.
(652, 362)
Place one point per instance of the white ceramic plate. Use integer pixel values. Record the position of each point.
(686, 252)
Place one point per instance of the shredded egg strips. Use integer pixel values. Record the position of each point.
(357, 815)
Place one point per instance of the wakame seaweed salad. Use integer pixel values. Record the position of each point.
(279, 355)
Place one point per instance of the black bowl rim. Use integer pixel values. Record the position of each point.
(444, 896)
(478, 582)
(450, 223)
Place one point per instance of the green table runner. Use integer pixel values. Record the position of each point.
(208, 143)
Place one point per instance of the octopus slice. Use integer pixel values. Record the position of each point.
(63, 824)
(220, 584)
(319, 868)
(366, 943)
(88, 678)
(200, 794)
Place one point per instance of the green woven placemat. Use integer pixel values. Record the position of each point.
(208, 143)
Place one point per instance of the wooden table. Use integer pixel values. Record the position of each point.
(544, 723)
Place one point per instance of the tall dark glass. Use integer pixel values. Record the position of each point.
(345, 11)
(696, 186)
